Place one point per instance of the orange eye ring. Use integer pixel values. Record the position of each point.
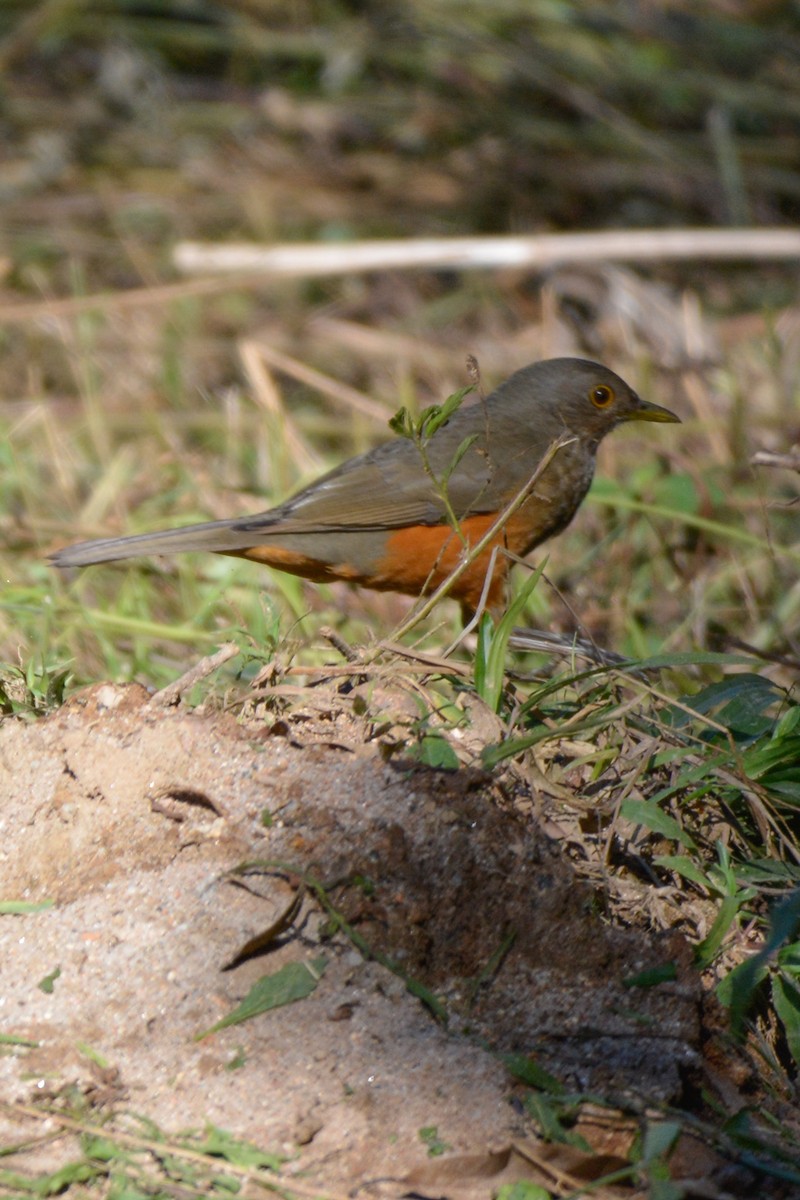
(602, 395)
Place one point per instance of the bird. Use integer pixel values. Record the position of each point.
(403, 516)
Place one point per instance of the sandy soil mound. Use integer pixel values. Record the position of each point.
(129, 817)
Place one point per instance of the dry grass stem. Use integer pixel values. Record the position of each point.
(273, 1181)
(464, 253)
(343, 396)
(172, 693)
(267, 395)
(789, 461)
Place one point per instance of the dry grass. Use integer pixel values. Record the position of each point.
(682, 543)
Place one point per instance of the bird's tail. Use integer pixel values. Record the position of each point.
(220, 536)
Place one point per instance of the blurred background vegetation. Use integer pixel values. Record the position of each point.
(422, 117)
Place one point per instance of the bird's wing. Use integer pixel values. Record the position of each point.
(389, 488)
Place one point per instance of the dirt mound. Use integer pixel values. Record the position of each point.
(130, 817)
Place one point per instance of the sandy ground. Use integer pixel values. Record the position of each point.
(130, 816)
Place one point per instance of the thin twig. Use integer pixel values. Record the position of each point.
(768, 458)
(172, 693)
(347, 652)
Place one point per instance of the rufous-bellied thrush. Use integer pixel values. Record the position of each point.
(381, 520)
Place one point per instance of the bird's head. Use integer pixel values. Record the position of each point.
(585, 398)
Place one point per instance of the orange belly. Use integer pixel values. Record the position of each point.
(413, 561)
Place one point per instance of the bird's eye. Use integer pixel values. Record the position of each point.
(602, 395)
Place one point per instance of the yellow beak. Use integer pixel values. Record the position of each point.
(651, 412)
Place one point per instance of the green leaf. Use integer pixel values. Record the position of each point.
(789, 959)
(221, 1144)
(402, 423)
(550, 1124)
(47, 985)
(484, 635)
(784, 923)
(528, 1071)
(24, 907)
(786, 998)
(664, 973)
(643, 812)
(102, 1149)
(51, 1185)
(237, 1062)
(738, 988)
(788, 723)
(765, 756)
(706, 951)
(659, 1139)
(523, 1189)
(435, 751)
(740, 703)
(439, 414)
(293, 982)
(415, 988)
(93, 1055)
(492, 755)
(11, 1039)
(789, 793)
(457, 457)
(684, 867)
(769, 871)
(665, 1189)
(494, 644)
(429, 1134)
